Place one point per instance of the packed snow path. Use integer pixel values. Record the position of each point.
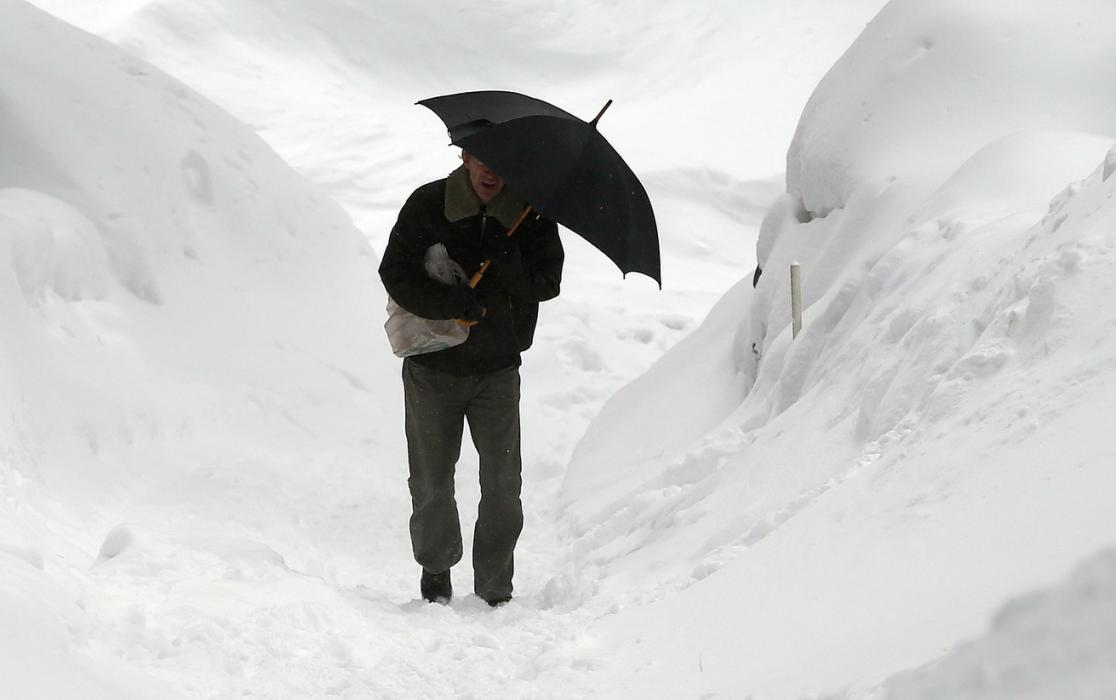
(292, 577)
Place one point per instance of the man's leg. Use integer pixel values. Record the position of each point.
(434, 422)
(493, 416)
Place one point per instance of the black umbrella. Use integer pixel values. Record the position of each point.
(562, 166)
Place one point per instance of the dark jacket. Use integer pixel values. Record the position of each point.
(448, 211)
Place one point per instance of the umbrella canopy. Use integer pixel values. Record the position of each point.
(563, 166)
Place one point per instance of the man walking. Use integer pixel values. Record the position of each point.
(469, 212)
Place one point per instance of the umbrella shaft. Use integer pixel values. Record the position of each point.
(476, 278)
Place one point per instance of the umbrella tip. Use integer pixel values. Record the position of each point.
(600, 114)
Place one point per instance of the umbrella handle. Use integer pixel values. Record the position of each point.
(476, 278)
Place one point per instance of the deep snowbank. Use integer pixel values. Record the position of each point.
(1056, 643)
(173, 298)
(155, 248)
(865, 496)
(929, 84)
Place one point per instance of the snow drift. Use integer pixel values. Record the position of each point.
(1055, 643)
(929, 84)
(867, 494)
(172, 298)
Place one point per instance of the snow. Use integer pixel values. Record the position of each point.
(1054, 643)
(929, 84)
(202, 468)
(867, 495)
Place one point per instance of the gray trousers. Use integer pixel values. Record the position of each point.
(437, 404)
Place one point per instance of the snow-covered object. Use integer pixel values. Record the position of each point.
(935, 441)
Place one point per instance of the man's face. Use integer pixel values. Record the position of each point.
(486, 183)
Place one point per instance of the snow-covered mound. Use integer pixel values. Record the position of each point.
(863, 497)
(1058, 643)
(174, 300)
(930, 83)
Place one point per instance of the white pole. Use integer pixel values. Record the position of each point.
(796, 299)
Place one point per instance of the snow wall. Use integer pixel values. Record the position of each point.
(863, 497)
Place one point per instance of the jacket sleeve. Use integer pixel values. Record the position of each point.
(542, 257)
(402, 268)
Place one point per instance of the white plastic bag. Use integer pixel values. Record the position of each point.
(412, 335)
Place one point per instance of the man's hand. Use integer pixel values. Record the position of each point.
(461, 302)
(503, 251)
(499, 247)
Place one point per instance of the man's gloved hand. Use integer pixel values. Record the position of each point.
(499, 246)
(461, 302)
(503, 251)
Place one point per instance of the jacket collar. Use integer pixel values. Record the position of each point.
(462, 202)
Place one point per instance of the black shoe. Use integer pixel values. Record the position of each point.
(436, 588)
(497, 602)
